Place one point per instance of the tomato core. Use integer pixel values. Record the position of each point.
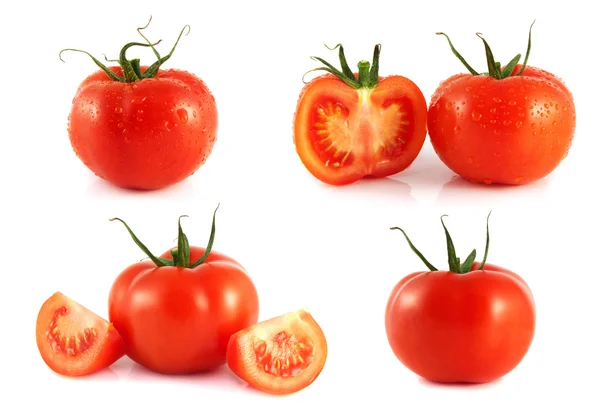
(284, 355)
(70, 341)
(343, 136)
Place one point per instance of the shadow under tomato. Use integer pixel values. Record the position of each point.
(378, 188)
(459, 191)
(461, 386)
(221, 377)
(100, 188)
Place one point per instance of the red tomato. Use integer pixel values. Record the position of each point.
(281, 355)
(74, 341)
(349, 126)
(141, 127)
(177, 312)
(512, 126)
(473, 323)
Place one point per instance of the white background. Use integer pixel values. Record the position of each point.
(304, 243)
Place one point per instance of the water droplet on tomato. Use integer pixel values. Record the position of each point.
(183, 115)
(519, 123)
(507, 122)
(497, 100)
(120, 125)
(519, 180)
(449, 105)
(118, 109)
(476, 116)
(493, 110)
(457, 130)
(167, 124)
(469, 89)
(512, 102)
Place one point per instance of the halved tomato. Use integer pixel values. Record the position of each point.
(348, 126)
(281, 355)
(73, 340)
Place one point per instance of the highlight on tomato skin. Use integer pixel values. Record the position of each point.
(74, 341)
(140, 126)
(176, 312)
(512, 125)
(472, 322)
(281, 355)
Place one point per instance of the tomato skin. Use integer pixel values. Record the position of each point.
(367, 129)
(242, 357)
(177, 320)
(511, 131)
(105, 349)
(147, 134)
(461, 328)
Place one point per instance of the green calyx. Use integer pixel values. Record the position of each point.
(131, 68)
(494, 68)
(368, 73)
(454, 263)
(181, 254)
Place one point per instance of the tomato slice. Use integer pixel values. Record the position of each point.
(281, 355)
(74, 341)
(344, 134)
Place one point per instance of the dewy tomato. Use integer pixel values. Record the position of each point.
(510, 125)
(142, 127)
(349, 126)
(177, 312)
(473, 323)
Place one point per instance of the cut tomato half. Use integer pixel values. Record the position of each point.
(74, 341)
(281, 355)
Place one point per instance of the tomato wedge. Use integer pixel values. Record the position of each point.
(74, 341)
(281, 355)
(348, 126)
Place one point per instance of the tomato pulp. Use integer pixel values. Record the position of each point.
(281, 355)
(349, 126)
(74, 341)
(177, 312)
(473, 323)
(140, 127)
(513, 126)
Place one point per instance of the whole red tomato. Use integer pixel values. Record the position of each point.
(177, 312)
(510, 125)
(350, 126)
(142, 127)
(473, 323)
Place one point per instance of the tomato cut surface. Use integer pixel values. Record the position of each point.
(74, 341)
(343, 134)
(281, 355)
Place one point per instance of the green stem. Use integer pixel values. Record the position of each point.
(364, 74)
(368, 73)
(454, 263)
(211, 240)
(159, 261)
(181, 254)
(494, 68)
(131, 68)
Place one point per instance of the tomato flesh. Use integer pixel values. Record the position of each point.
(74, 341)
(281, 355)
(284, 355)
(343, 134)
